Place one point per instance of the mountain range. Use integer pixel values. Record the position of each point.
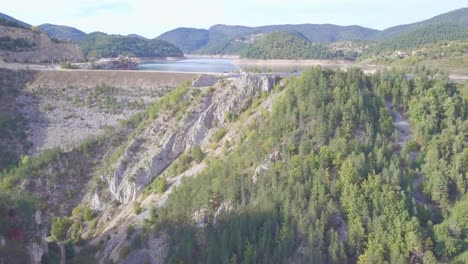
(227, 39)
(191, 40)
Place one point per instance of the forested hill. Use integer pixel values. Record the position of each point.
(287, 45)
(64, 33)
(316, 170)
(8, 18)
(102, 45)
(322, 178)
(457, 17)
(220, 39)
(193, 40)
(187, 39)
(422, 36)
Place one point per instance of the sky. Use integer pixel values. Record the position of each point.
(151, 18)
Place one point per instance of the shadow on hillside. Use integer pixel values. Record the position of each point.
(18, 113)
(251, 236)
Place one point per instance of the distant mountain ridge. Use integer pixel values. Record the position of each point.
(430, 34)
(64, 33)
(288, 45)
(191, 39)
(219, 39)
(98, 44)
(457, 17)
(227, 39)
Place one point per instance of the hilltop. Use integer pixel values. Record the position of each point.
(457, 17)
(225, 39)
(287, 45)
(234, 40)
(194, 40)
(99, 44)
(63, 33)
(26, 45)
(12, 19)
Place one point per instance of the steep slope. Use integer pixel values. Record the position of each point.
(25, 45)
(13, 129)
(39, 182)
(456, 17)
(319, 177)
(12, 19)
(63, 33)
(312, 170)
(99, 44)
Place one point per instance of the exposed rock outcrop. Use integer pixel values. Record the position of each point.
(163, 141)
(205, 80)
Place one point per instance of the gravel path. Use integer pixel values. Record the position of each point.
(405, 133)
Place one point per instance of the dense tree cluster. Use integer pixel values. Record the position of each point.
(288, 45)
(424, 36)
(11, 23)
(18, 44)
(337, 189)
(222, 47)
(102, 45)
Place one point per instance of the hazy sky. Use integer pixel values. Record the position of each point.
(150, 18)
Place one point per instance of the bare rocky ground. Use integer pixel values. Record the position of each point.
(65, 117)
(405, 133)
(62, 115)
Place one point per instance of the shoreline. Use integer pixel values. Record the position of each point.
(274, 62)
(205, 56)
(270, 64)
(143, 59)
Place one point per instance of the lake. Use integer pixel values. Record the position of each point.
(191, 65)
(216, 65)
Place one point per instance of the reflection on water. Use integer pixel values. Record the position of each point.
(212, 66)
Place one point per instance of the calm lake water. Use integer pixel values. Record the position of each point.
(214, 66)
(191, 65)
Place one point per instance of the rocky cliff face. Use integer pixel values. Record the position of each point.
(149, 154)
(67, 182)
(165, 139)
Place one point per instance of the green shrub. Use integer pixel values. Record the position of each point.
(77, 210)
(197, 154)
(68, 65)
(161, 185)
(124, 252)
(88, 214)
(59, 228)
(185, 160)
(137, 209)
(76, 230)
(219, 134)
(130, 230)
